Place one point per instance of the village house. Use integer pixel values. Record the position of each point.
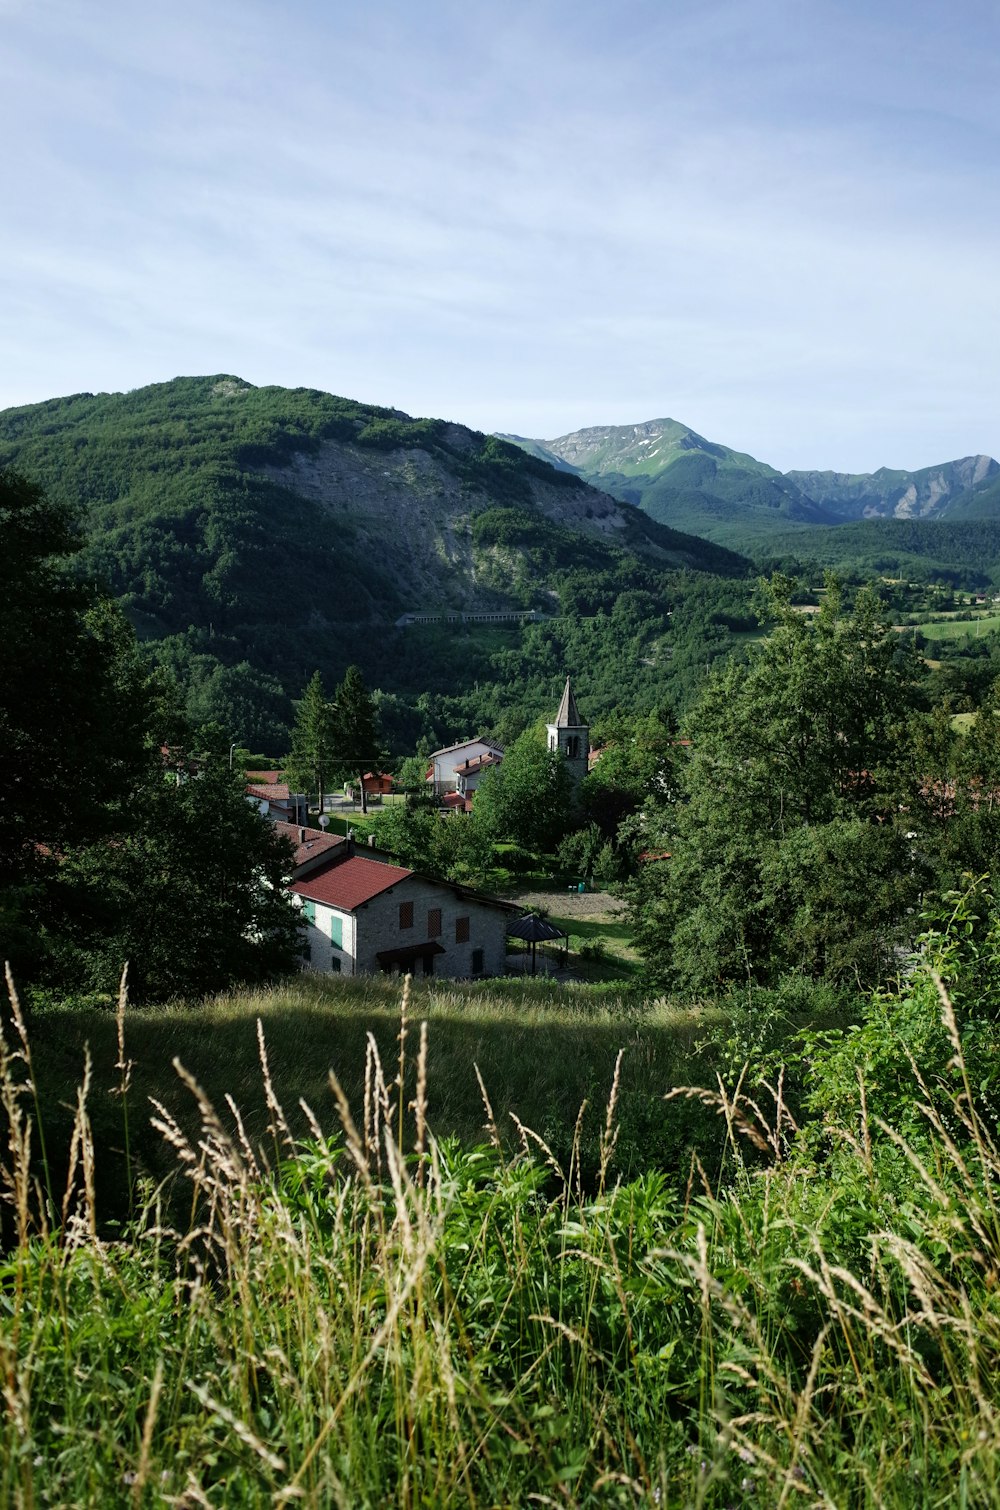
(376, 785)
(365, 915)
(469, 774)
(312, 846)
(445, 764)
(274, 799)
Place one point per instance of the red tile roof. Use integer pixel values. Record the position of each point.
(309, 842)
(269, 791)
(477, 763)
(264, 778)
(350, 883)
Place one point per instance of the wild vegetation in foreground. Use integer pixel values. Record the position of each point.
(367, 1315)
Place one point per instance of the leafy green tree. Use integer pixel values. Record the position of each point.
(189, 891)
(787, 840)
(638, 756)
(411, 776)
(108, 849)
(248, 703)
(450, 845)
(313, 761)
(528, 799)
(73, 706)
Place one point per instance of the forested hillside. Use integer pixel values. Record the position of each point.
(253, 535)
(956, 550)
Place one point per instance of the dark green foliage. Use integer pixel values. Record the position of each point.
(528, 800)
(455, 847)
(638, 758)
(189, 892)
(788, 849)
(312, 759)
(355, 736)
(960, 552)
(74, 702)
(110, 849)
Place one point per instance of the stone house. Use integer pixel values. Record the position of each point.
(365, 915)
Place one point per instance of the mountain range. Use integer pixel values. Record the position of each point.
(253, 535)
(678, 477)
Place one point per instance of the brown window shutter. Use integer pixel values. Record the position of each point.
(406, 914)
(433, 922)
(461, 930)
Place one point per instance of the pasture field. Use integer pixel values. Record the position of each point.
(956, 628)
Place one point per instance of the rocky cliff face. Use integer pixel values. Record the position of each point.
(410, 513)
(889, 494)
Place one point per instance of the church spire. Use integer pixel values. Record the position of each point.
(568, 716)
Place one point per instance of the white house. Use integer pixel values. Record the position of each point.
(444, 764)
(364, 915)
(275, 800)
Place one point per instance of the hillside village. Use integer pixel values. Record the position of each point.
(500, 756)
(364, 913)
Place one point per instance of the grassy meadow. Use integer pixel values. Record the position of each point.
(759, 1269)
(953, 627)
(542, 1050)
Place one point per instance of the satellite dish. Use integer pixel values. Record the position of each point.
(324, 821)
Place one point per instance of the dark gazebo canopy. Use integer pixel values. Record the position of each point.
(534, 930)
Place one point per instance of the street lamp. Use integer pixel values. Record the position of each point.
(231, 749)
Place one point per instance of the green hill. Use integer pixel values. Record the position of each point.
(255, 534)
(958, 551)
(679, 478)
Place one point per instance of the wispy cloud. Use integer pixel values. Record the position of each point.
(776, 222)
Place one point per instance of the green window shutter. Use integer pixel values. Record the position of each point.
(337, 932)
(309, 910)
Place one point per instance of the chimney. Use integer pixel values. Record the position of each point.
(302, 836)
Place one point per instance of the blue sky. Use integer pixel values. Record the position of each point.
(775, 220)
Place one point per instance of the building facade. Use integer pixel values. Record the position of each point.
(364, 916)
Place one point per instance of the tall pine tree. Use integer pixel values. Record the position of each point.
(312, 762)
(355, 726)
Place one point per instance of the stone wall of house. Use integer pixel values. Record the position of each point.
(378, 929)
(375, 926)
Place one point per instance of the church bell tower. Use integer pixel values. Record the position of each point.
(570, 735)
